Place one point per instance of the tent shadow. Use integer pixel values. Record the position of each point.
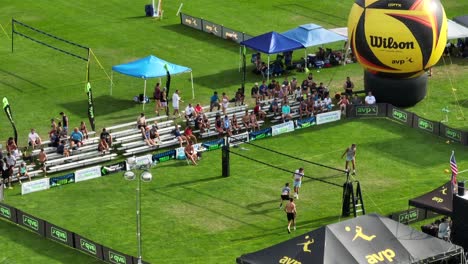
(220, 80)
(103, 105)
(20, 78)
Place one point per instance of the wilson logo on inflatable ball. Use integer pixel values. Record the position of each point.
(399, 38)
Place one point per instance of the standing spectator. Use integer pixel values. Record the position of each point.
(5, 174)
(224, 103)
(190, 153)
(297, 176)
(76, 139)
(214, 101)
(190, 112)
(350, 153)
(370, 99)
(65, 122)
(106, 136)
(10, 163)
(11, 145)
(285, 194)
(141, 121)
(290, 210)
(239, 97)
(286, 112)
(23, 172)
(53, 124)
(34, 139)
(188, 132)
(42, 157)
(179, 135)
(176, 99)
(348, 86)
(157, 98)
(84, 130)
(246, 120)
(164, 102)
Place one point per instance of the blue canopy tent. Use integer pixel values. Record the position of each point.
(150, 67)
(313, 35)
(271, 43)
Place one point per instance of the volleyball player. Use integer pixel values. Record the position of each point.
(350, 153)
(297, 176)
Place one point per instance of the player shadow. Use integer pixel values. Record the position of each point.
(103, 105)
(207, 208)
(316, 223)
(19, 78)
(180, 184)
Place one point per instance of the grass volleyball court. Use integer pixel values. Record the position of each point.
(192, 214)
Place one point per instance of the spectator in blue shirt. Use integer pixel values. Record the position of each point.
(214, 101)
(286, 112)
(76, 138)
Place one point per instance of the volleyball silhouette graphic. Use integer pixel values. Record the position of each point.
(399, 38)
(396, 41)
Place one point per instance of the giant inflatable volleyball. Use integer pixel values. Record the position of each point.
(396, 41)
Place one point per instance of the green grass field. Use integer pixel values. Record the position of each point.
(193, 215)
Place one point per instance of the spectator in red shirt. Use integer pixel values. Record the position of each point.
(189, 134)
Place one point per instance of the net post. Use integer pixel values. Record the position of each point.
(12, 33)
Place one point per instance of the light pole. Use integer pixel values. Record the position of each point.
(145, 176)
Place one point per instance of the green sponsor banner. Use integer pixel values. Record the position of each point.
(426, 125)
(399, 115)
(59, 234)
(453, 134)
(7, 212)
(88, 246)
(366, 110)
(30, 222)
(116, 257)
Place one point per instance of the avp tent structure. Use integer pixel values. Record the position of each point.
(462, 20)
(151, 67)
(365, 239)
(313, 35)
(271, 43)
(439, 200)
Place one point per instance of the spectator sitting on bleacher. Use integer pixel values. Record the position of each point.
(154, 134)
(258, 111)
(271, 87)
(191, 153)
(190, 112)
(343, 103)
(141, 121)
(62, 149)
(370, 99)
(23, 171)
(26, 155)
(227, 125)
(34, 139)
(263, 91)
(103, 146)
(198, 109)
(246, 120)
(298, 94)
(253, 121)
(147, 137)
(205, 125)
(305, 87)
(303, 111)
(42, 157)
(10, 163)
(318, 107)
(322, 90)
(76, 139)
(254, 92)
(84, 130)
(62, 133)
(179, 135)
(287, 86)
(327, 102)
(5, 174)
(356, 100)
(274, 107)
(310, 105)
(224, 103)
(214, 101)
(234, 124)
(188, 133)
(286, 112)
(105, 135)
(348, 86)
(219, 125)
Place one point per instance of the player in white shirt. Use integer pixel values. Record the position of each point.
(175, 103)
(297, 177)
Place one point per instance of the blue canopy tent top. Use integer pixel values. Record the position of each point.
(150, 67)
(271, 43)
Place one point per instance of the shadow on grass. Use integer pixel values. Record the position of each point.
(103, 105)
(20, 78)
(220, 80)
(180, 184)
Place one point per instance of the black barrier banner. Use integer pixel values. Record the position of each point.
(32, 223)
(8, 212)
(88, 246)
(306, 122)
(214, 144)
(233, 35)
(113, 168)
(366, 110)
(116, 257)
(411, 215)
(212, 28)
(426, 125)
(62, 180)
(260, 134)
(59, 234)
(453, 134)
(165, 156)
(400, 115)
(191, 21)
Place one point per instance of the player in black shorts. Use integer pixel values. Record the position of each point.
(285, 193)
